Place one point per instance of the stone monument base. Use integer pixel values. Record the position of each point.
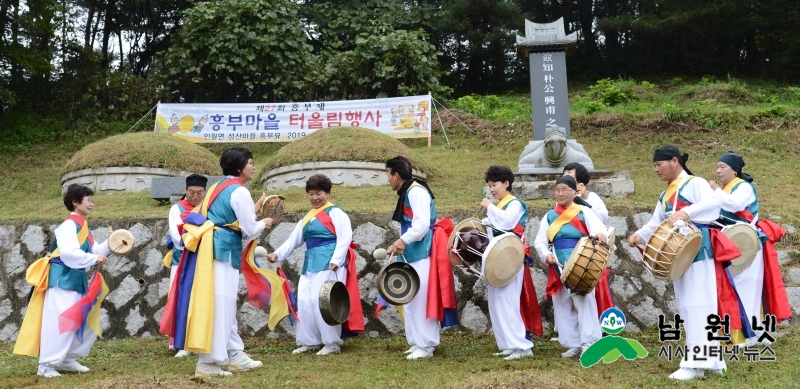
(541, 186)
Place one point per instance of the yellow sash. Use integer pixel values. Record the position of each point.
(505, 201)
(37, 275)
(278, 308)
(671, 189)
(168, 257)
(168, 260)
(93, 319)
(313, 213)
(200, 318)
(562, 219)
(729, 187)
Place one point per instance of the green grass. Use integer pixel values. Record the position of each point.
(145, 149)
(336, 144)
(706, 104)
(617, 138)
(461, 361)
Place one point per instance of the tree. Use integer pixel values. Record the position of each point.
(240, 51)
(478, 44)
(397, 63)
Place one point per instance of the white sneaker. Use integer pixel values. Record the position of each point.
(242, 362)
(411, 350)
(585, 347)
(205, 370)
(554, 339)
(421, 353)
(717, 371)
(329, 349)
(47, 372)
(303, 349)
(182, 354)
(504, 353)
(519, 354)
(72, 366)
(572, 353)
(685, 374)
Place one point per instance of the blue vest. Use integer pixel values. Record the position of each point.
(320, 245)
(566, 239)
(421, 249)
(176, 253)
(522, 220)
(706, 245)
(730, 218)
(65, 277)
(227, 242)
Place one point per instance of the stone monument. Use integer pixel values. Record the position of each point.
(543, 159)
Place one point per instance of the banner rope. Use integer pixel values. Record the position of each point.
(140, 120)
(451, 113)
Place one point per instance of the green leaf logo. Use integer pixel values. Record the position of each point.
(610, 348)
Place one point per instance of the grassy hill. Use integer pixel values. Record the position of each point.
(618, 122)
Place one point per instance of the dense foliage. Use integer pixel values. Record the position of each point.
(92, 61)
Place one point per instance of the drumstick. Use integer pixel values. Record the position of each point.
(473, 271)
(477, 213)
(124, 243)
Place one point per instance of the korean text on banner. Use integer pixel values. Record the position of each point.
(398, 117)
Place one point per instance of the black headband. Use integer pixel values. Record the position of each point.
(568, 181)
(665, 154)
(736, 162)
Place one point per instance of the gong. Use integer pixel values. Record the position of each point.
(334, 302)
(398, 283)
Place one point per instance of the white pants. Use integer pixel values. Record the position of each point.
(504, 312)
(576, 328)
(696, 294)
(312, 330)
(421, 331)
(750, 286)
(225, 339)
(57, 348)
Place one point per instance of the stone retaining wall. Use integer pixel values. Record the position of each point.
(139, 281)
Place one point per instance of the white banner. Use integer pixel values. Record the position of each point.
(399, 117)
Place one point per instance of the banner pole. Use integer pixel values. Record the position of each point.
(430, 111)
(155, 122)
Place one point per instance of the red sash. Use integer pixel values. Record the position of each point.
(529, 305)
(774, 291)
(355, 321)
(602, 293)
(81, 222)
(187, 209)
(441, 287)
(221, 186)
(554, 283)
(727, 299)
